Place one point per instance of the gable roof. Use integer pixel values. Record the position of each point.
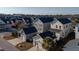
(29, 30)
(46, 19)
(77, 25)
(28, 19)
(64, 20)
(47, 34)
(2, 22)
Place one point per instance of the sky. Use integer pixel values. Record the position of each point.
(39, 10)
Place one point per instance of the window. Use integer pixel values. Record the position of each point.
(40, 25)
(78, 29)
(62, 34)
(56, 26)
(40, 29)
(66, 26)
(60, 27)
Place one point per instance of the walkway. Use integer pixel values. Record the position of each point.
(36, 49)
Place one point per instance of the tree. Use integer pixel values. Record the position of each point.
(18, 27)
(15, 34)
(48, 43)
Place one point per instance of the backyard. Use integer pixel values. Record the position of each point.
(60, 44)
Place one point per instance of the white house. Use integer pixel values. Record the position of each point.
(61, 26)
(37, 41)
(28, 33)
(42, 24)
(77, 31)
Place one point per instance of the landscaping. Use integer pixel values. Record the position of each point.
(8, 36)
(24, 46)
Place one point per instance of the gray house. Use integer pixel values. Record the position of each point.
(42, 24)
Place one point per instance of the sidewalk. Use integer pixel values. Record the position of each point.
(36, 49)
(15, 41)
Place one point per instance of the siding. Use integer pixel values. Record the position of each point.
(46, 27)
(39, 26)
(53, 25)
(65, 30)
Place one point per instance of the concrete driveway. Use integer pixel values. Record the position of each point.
(7, 46)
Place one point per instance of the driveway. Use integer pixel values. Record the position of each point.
(7, 46)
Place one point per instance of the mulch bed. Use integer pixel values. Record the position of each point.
(24, 46)
(9, 37)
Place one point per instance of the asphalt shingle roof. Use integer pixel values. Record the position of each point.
(64, 20)
(28, 19)
(47, 34)
(46, 19)
(29, 30)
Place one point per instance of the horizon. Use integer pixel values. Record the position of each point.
(40, 10)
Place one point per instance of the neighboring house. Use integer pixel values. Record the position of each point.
(28, 33)
(42, 24)
(37, 41)
(77, 31)
(2, 22)
(27, 21)
(48, 34)
(62, 27)
(3, 25)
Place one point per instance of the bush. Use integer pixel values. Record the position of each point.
(15, 34)
(48, 43)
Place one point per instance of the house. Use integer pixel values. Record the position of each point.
(77, 31)
(48, 34)
(28, 33)
(38, 39)
(61, 26)
(3, 25)
(2, 22)
(27, 21)
(42, 24)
